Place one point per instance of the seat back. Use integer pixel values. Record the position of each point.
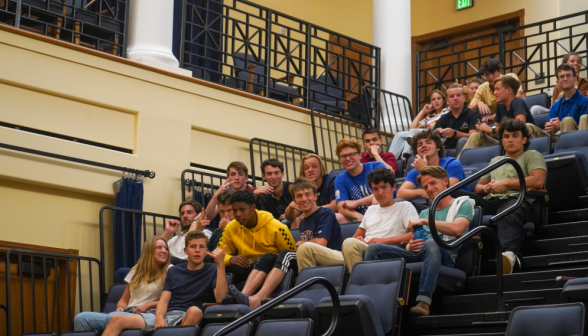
(132, 332)
(467, 257)
(552, 320)
(381, 282)
(296, 327)
(324, 88)
(295, 234)
(336, 172)
(177, 331)
(409, 163)
(79, 333)
(540, 120)
(572, 141)
(285, 285)
(213, 328)
(315, 293)
(541, 99)
(475, 159)
(114, 295)
(541, 144)
(39, 334)
(242, 62)
(348, 230)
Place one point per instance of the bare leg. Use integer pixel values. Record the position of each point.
(254, 281)
(193, 316)
(274, 279)
(118, 323)
(341, 219)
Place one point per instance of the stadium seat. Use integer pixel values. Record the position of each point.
(132, 332)
(348, 230)
(177, 331)
(40, 334)
(576, 289)
(79, 333)
(114, 295)
(541, 99)
(541, 144)
(326, 94)
(553, 320)
(540, 120)
(300, 327)
(213, 328)
(409, 163)
(302, 305)
(336, 172)
(400, 171)
(370, 304)
(475, 159)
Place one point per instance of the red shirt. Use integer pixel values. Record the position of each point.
(252, 189)
(388, 157)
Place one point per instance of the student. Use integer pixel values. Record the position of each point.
(252, 238)
(192, 218)
(318, 228)
(372, 141)
(351, 188)
(509, 106)
(500, 187)
(473, 85)
(452, 219)
(225, 211)
(144, 286)
(187, 287)
(278, 201)
(384, 223)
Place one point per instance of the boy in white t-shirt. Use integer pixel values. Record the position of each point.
(385, 223)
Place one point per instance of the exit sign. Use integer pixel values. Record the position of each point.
(463, 4)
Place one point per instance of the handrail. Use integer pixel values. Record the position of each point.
(271, 304)
(482, 229)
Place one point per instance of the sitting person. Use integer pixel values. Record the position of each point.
(509, 106)
(452, 219)
(144, 286)
(253, 240)
(278, 201)
(473, 85)
(500, 187)
(372, 141)
(484, 101)
(384, 223)
(187, 287)
(568, 113)
(426, 118)
(351, 188)
(192, 218)
(225, 211)
(318, 229)
(457, 125)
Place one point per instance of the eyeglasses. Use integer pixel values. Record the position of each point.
(565, 76)
(345, 156)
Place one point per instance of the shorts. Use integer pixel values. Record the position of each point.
(172, 318)
(284, 261)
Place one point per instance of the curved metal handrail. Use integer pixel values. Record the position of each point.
(271, 304)
(481, 229)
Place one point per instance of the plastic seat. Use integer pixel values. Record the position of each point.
(40, 334)
(576, 289)
(336, 172)
(409, 163)
(348, 230)
(114, 295)
(475, 159)
(540, 120)
(79, 333)
(541, 99)
(177, 331)
(370, 305)
(327, 93)
(300, 327)
(132, 332)
(553, 320)
(541, 144)
(213, 328)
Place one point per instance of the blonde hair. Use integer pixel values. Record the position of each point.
(147, 270)
(434, 171)
(321, 164)
(343, 143)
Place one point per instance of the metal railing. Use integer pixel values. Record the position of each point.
(388, 111)
(96, 24)
(56, 306)
(201, 185)
(533, 52)
(243, 45)
(273, 303)
(290, 156)
(481, 229)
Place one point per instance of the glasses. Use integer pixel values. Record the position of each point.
(345, 156)
(565, 76)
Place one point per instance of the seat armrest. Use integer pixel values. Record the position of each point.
(209, 304)
(536, 192)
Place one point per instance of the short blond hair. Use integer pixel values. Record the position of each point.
(344, 143)
(434, 171)
(321, 164)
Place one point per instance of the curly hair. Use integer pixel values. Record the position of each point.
(428, 134)
(381, 174)
(343, 143)
(246, 196)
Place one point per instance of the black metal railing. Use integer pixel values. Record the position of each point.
(273, 303)
(60, 284)
(140, 225)
(243, 45)
(388, 111)
(290, 156)
(97, 24)
(482, 229)
(200, 185)
(533, 52)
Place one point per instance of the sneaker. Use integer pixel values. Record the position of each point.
(421, 309)
(509, 259)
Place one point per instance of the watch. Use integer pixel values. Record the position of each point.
(454, 133)
(493, 129)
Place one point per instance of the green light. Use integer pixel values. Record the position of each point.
(463, 4)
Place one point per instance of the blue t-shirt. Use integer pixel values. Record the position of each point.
(353, 188)
(326, 192)
(190, 288)
(322, 224)
(451, 165)
(573, 107)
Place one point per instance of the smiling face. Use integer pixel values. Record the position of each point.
(243, 212)
(349, 158)
(273, 176)
(513, 142)
(566, 79)
(237, 178)
(433, 186)
(312, 169)
(455, 98)
(574, 61)
(161, 252)
(427, 148)
(383, 192)
(305, 199)
(196, 250)
(187, 216)
(502, 94)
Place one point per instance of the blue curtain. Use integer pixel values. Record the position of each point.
(126, 229)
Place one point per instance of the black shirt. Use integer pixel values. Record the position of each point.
(326, 192)
(273, 205)
(517, 107)
(464, 123)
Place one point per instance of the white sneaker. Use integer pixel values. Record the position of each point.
(508, 261)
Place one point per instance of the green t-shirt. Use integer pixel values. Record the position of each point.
(465, 210)
(529, 160)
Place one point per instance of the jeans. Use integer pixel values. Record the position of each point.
(433, 256)
(400, 145)
(91, 321)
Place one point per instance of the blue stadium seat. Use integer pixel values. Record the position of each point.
(541, 99)
(300, 327)
(475, 159)
(177, 331)
(549, 320)
(540, 120)
(400, 171)
(576, 289)
(114, 295)
(213, 328)
(132, 332)
(302, 305)
(327, 93)
(541, 144)
(370, 304)
(40, 334)
(336, 172)
(79, 333)
(348, 230)
(409, 163)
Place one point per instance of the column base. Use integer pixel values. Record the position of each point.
(163, 66)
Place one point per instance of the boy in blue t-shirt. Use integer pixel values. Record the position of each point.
(352, 190)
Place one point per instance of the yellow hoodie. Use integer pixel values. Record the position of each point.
(269, 236)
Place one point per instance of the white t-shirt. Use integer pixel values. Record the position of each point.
(392, 221)
(177, 244)
(146, 293)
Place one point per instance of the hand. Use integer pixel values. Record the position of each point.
(375, 150)
(556, 123)
(498, 188)
(120, 309)
(549, 128)
(428, 108)
(200, 222)
(282, 217)
(300, 242)
(219, 255)
(423, 193)
(360, 238)
(448, 132)
(415, 245)
(349, 205)
(375, 241)
(159, 322)
(419, 163)
(483, 108)
(239, 261)
(267, 190)
(223, 187)
(416, 221)
(484, 128)
(172, 226)
(223, 223)
(142, 308)
(294, 206)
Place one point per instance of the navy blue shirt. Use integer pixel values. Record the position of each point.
(321, 224)
(326, 192)
(451, 166)
(517, 107)
(574, 107)
(190, 288)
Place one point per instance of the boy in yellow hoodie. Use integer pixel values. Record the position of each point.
(253, 239)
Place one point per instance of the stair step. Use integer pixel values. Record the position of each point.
(480, 303)
(568, 216)
(473, 324)
(476, 334)
(562, 230)
(523, 281)
(556, 261)
(555, 245)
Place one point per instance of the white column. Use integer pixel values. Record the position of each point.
(151, 33)
(391, 29)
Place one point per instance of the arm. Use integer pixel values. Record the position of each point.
(320, 241)
(332, 206)
(416, 122)
(408, 191)
(122, 304)
(391, 240)
(292, 211)
(221, 290)
(161, 309)
(454, 228)
(360, 232)
(351, 214)
(483, 187)
(227, 243)
(281, 242)
(535, 180)
(171, 227)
